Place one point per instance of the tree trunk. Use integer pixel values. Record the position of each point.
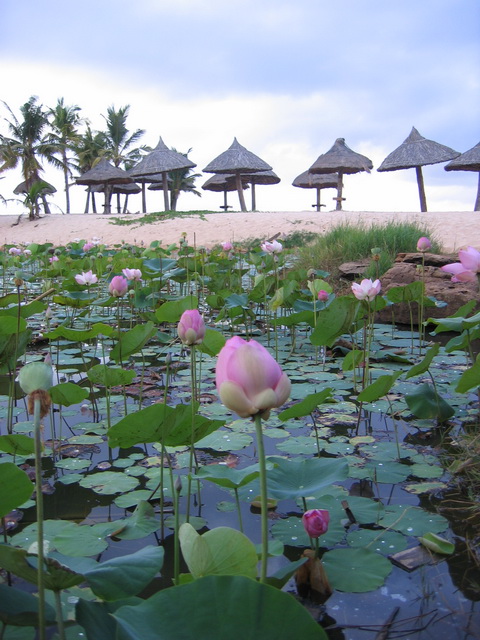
(65, 177)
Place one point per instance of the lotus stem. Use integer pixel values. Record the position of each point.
(39, 503)
(263, 497)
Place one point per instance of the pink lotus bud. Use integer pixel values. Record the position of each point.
(366, 290)
(315, 522)
(272, 247)
(323, 295)
(87, 278)
(118, 286)
(53, 259)
(87, 246)
(249, 380)
(48, 313)
(424, 244)
(132, 274)
(191, 327)
(227, 246)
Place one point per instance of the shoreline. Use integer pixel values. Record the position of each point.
(454, 230)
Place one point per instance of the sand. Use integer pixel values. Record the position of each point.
(454, 230)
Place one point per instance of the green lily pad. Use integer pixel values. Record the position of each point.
(356, 570)
(79, 540)
(109, 482)
(412, 521)
(222, 440)
(385, 542)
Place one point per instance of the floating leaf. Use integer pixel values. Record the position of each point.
(297, 478)
(412, 521)
(437, 544)
(355, 570)
(16, 487)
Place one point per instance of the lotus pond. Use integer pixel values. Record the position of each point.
(150, 514)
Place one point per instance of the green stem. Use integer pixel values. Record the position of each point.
(39, 503)
(239, 511)
(58, 608)
(263, 497)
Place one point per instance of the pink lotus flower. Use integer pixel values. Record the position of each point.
(466, 270)
(366, 290)
(53, 259)
(14, 251)
(323, 295)
(87, 246)
(132, 274)
(316, 522)
(227, 246)
(249, 380)
(86, 278)
(424, 244)
(272, 247)
(118, 286)
(191, 327)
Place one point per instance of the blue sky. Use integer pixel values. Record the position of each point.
(286, 78)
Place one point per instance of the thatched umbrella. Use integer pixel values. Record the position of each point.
(23, 187)
(237, 160)
(104, 173)
(341, 159)
(261, 177)
(161, 160)
(222, 182)
(127, 189)
(415, 152)
(468, 161)
(318, 181)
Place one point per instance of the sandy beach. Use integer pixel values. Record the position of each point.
(453, 230)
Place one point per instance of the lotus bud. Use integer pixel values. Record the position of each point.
(315, 522)
(424, 244)
(249, 380)
(118, 286)
(191, 327)
(323, 295)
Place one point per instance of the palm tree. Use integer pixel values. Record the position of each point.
(64, 122)
(181, 180)
(118, 140)
(28, 144)
(88, 149)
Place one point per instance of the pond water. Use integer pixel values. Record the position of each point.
(437, 599)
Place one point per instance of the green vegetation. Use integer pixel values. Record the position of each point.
(355, 242)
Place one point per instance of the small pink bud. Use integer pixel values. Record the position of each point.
(424, 244)
(323, 295)
(191, 327)
(315, 522)
(227, 246)
(118, 286)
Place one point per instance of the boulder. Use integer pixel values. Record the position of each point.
(438, 284)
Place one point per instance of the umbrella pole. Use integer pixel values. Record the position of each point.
(421, 189)
(254, 202)
(106, 208)
(317, 205)
(225, 204)
(125, 204)
(165, 190)
(144, 199)
(477, 201)
(238, 180)
(339, 197)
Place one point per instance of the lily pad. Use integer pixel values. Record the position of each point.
(109, 482)
(356, 570)
(412, 521)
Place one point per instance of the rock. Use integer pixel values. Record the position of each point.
(350, 270)
(438, 284)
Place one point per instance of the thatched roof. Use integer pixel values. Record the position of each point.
(417, 151)
(340, 158)
(222, 182)
(104, 173)
(261, 177)
(307, 180)
(24, 188)
(237, 159)
(160, 160)
(127, 189)
(468, 161)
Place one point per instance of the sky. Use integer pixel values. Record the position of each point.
(285, 77)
